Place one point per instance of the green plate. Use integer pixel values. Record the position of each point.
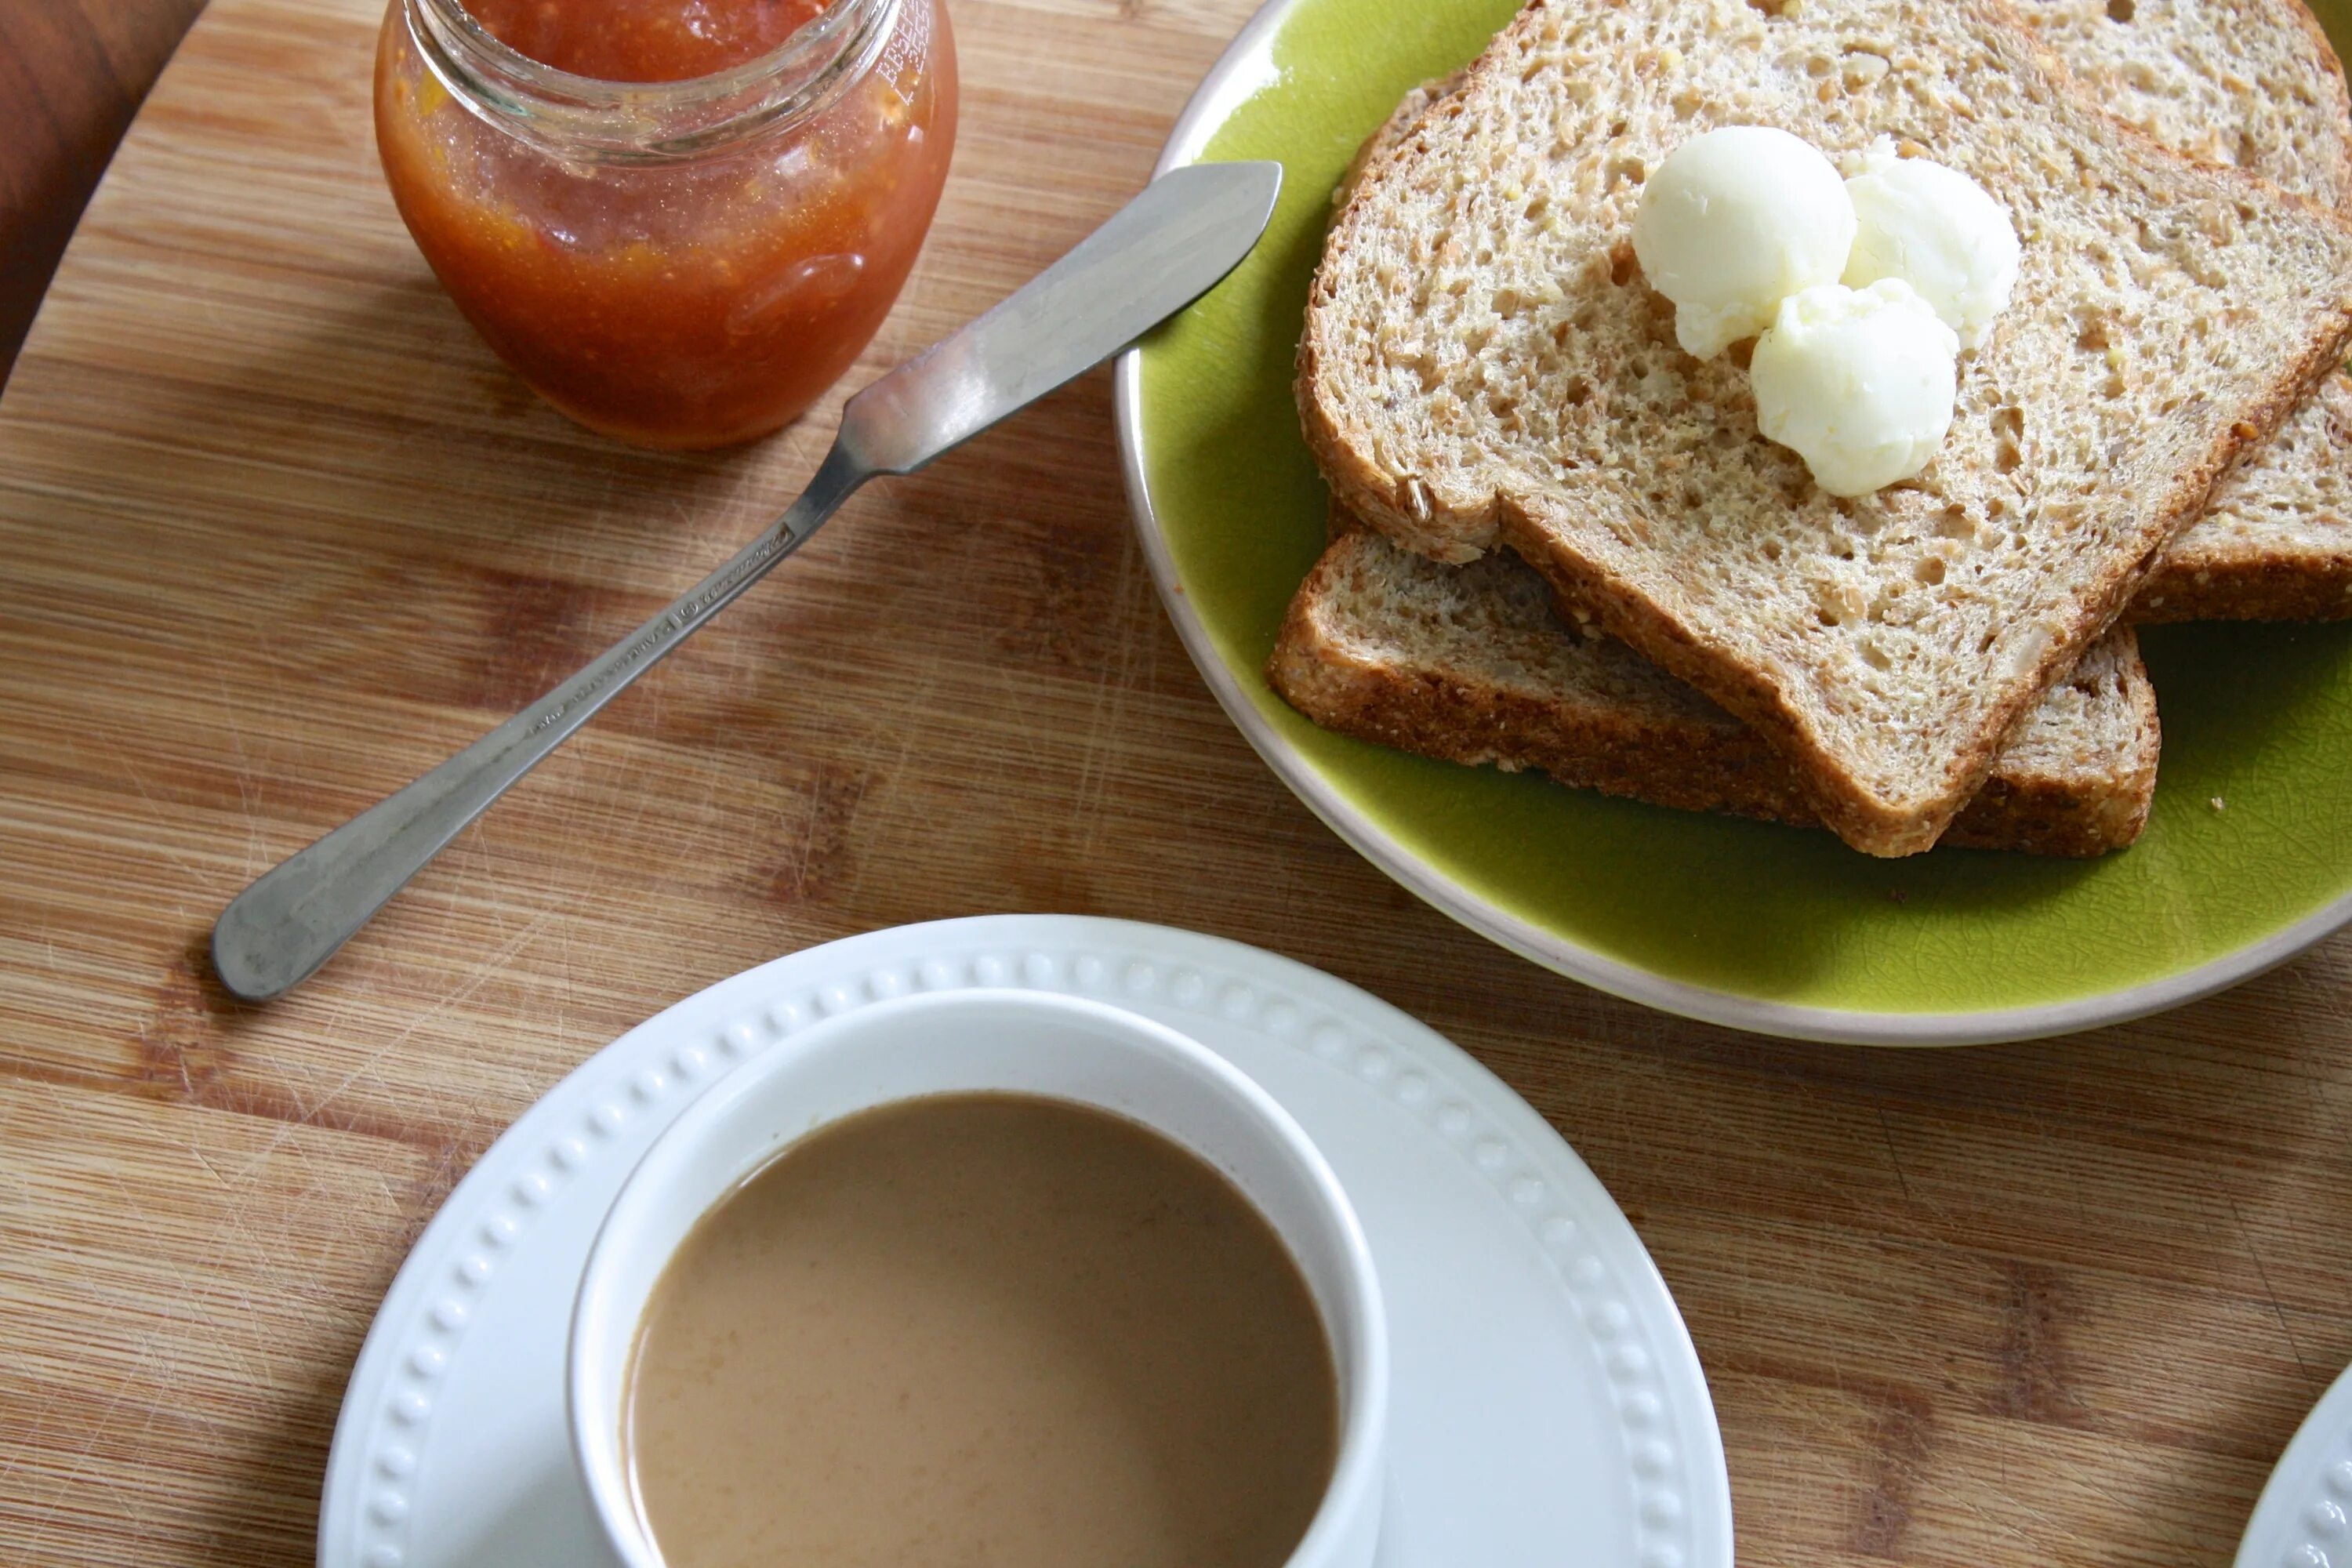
(2246, 860)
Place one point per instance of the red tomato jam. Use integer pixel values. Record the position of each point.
(695, 292)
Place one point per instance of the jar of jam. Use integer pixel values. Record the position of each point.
(679, 220)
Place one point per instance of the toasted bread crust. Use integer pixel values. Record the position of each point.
(2242, 588)
(2276, 546)
(1398, 507)
(2043, 815)
(1672, 758)
(1619, 754)
(1451, 521)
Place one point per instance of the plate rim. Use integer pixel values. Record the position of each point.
(2277, 1526)
(392, 1392)
(1235, 76)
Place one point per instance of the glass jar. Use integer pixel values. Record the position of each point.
(677, 263)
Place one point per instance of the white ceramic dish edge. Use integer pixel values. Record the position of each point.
(1244, 66)
(2305, 1515)
(470, 1257)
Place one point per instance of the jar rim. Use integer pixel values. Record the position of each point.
(590, 120)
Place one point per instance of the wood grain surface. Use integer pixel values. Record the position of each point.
(277, 533)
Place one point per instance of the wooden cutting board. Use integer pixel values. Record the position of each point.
(277, 533)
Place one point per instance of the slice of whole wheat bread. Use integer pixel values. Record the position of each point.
(1481, 364)
(2250, 81)
(1469, 664)
(2254, 83)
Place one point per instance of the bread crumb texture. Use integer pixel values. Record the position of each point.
(2247, 83)
(2252, 83)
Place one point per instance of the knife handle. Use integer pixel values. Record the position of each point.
(279, 931)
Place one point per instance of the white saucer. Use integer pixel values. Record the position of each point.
(1547, 1406)
(2304, 1518)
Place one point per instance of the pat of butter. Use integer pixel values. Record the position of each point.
(1735, 221)
(1936, 229)
(1860, 382)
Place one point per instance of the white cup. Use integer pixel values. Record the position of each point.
(1014, 1041)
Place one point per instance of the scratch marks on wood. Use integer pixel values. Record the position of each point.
(1040, 874)
(1887, 1132)
(183, 1047)
(2030, 1360)
(187, 1049)
(445, 1165)
(1899, 1446)
(1115, 685)
(503, 393)
(1074, 558)
(820, 848)
(539, 631)
(2270, 1293)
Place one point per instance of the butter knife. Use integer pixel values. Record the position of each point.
(1162, 250)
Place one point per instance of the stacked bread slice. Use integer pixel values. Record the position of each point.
(1483, 365)
(1472, 664)
(2252, 83)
